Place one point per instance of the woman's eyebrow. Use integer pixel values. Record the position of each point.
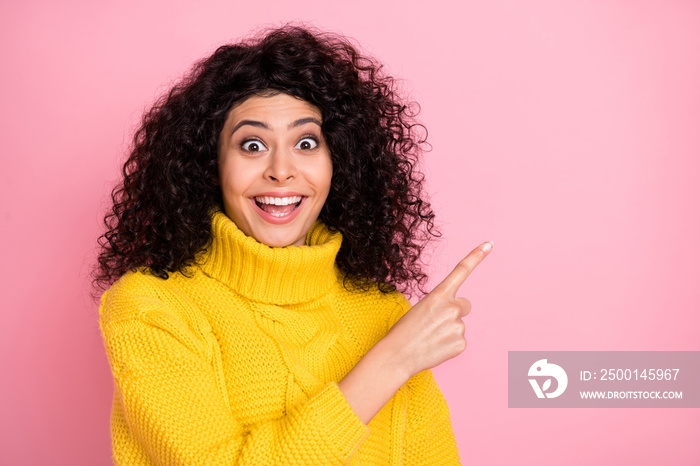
(257, 124)
(303, 121)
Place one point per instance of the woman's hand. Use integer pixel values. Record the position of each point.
(430, 333)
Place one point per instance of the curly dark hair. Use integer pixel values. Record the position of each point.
(160, 219)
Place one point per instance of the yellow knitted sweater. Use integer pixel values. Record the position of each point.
(237, 362)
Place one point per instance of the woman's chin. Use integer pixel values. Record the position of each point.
(279, 236)
(282, 242)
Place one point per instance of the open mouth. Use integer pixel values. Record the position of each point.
(278, 206)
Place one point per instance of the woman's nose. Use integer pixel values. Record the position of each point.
(281, 166)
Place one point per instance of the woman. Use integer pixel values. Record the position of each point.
(268, 219)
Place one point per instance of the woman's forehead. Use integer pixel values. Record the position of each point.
(278, 110)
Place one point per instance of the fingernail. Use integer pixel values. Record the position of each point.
(486, 247)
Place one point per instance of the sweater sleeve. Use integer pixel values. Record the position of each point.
(171, 405)
(429, 436)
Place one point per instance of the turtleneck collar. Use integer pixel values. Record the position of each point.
(289, 275)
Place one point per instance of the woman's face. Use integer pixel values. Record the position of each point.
(274, 168)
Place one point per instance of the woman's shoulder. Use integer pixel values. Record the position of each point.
(143, 297)
(134, 286)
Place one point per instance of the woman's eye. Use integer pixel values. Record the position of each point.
(307, 144)
(253, 146)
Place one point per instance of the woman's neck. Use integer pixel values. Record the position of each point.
(281, 276)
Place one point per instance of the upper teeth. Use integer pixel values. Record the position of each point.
(278, 200)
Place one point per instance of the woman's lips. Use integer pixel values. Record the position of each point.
(278, 209)
(278, 206)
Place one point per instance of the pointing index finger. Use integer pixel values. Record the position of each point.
(454, 280)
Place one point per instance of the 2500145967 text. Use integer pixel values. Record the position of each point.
(632, 374)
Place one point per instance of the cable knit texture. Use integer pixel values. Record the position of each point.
(237, 362)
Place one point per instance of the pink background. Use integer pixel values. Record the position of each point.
(567, 132)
